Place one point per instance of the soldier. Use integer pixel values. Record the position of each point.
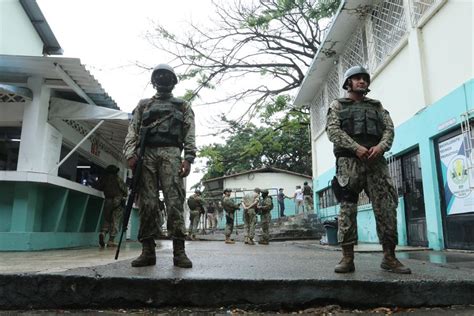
(265, 210)
(249, 204)
(196, 208)
(362, 130)
(307, 196)
(171, 129)
(114, 191)
(230, 207)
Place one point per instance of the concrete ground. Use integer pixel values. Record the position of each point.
(282, 274)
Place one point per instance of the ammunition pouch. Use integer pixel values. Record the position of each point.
(343, 193)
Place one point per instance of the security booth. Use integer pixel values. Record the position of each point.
(58, 131)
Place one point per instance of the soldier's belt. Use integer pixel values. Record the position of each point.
(345, 153)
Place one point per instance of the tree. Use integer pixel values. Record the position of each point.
(273, 39)
(286, 146)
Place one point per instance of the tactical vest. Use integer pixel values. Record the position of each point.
(169, 114)
(362, 121)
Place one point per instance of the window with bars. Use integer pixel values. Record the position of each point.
(318, 113)
(356, 50)
(387, 25)
(327, 198)
(369, 46)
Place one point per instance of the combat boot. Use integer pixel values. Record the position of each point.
(179, 255)
(111, 243)
(148, 256)
(346, 264)
(390, 262)
(229, 241)
(246, 240)
(101, 240)
(263, 242)
(251, 242)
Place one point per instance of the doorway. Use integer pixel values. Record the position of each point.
(412, 186)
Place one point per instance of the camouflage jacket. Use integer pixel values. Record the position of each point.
(341, 139)
(132, 140)
(266, 205)
(112, 186)
(229, 204)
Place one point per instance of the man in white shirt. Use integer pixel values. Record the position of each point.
(299, 199)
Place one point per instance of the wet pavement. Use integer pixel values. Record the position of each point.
(283, 274)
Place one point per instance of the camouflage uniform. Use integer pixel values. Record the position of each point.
(230, 207)
(250, 215)
(265, 210)
(114, 191)
(358, 175)
(195, 215)
(308, 198)
(162, 162)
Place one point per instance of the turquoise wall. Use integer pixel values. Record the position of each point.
(36, 216)
(419, 131)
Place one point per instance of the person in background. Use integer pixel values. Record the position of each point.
(299, 199)
(281, 201)
(212, 216)
(114, 191)
(230, 207)
(265, 208)
(307, 197)
(249, 203)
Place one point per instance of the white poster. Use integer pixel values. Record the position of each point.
(457, 177)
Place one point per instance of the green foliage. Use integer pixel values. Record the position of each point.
(250, 147)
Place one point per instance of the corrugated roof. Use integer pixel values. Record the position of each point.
(16, 70)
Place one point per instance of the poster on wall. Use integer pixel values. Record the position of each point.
(457, 180)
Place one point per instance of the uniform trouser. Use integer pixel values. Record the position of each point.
(298, 206)
(250, 220)
(374, 179)
(265, 222)
(211, 220)
(308, 203)
(112, 215)
(194, 217)
(282, 208)
(229, 223)
(161, 164)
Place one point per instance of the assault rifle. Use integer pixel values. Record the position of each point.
(133, 187)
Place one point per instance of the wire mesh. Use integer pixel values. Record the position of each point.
(387, 26)
(318, 113)
(333, 85)
(356, 51)
(418, 8)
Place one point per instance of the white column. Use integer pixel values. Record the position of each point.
(415, 46)
(33, 145)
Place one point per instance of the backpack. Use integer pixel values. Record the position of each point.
(192, 203)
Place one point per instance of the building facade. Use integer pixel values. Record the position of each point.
(58, 130)
(420, 57)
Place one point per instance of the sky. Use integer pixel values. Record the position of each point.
(108, 37)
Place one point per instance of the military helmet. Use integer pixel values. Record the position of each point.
(227, 190)
(264, 192)
(356, 70)
(112, 169)
(197, 192)
(163, 77)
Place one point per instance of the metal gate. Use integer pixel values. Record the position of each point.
(412, 185)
